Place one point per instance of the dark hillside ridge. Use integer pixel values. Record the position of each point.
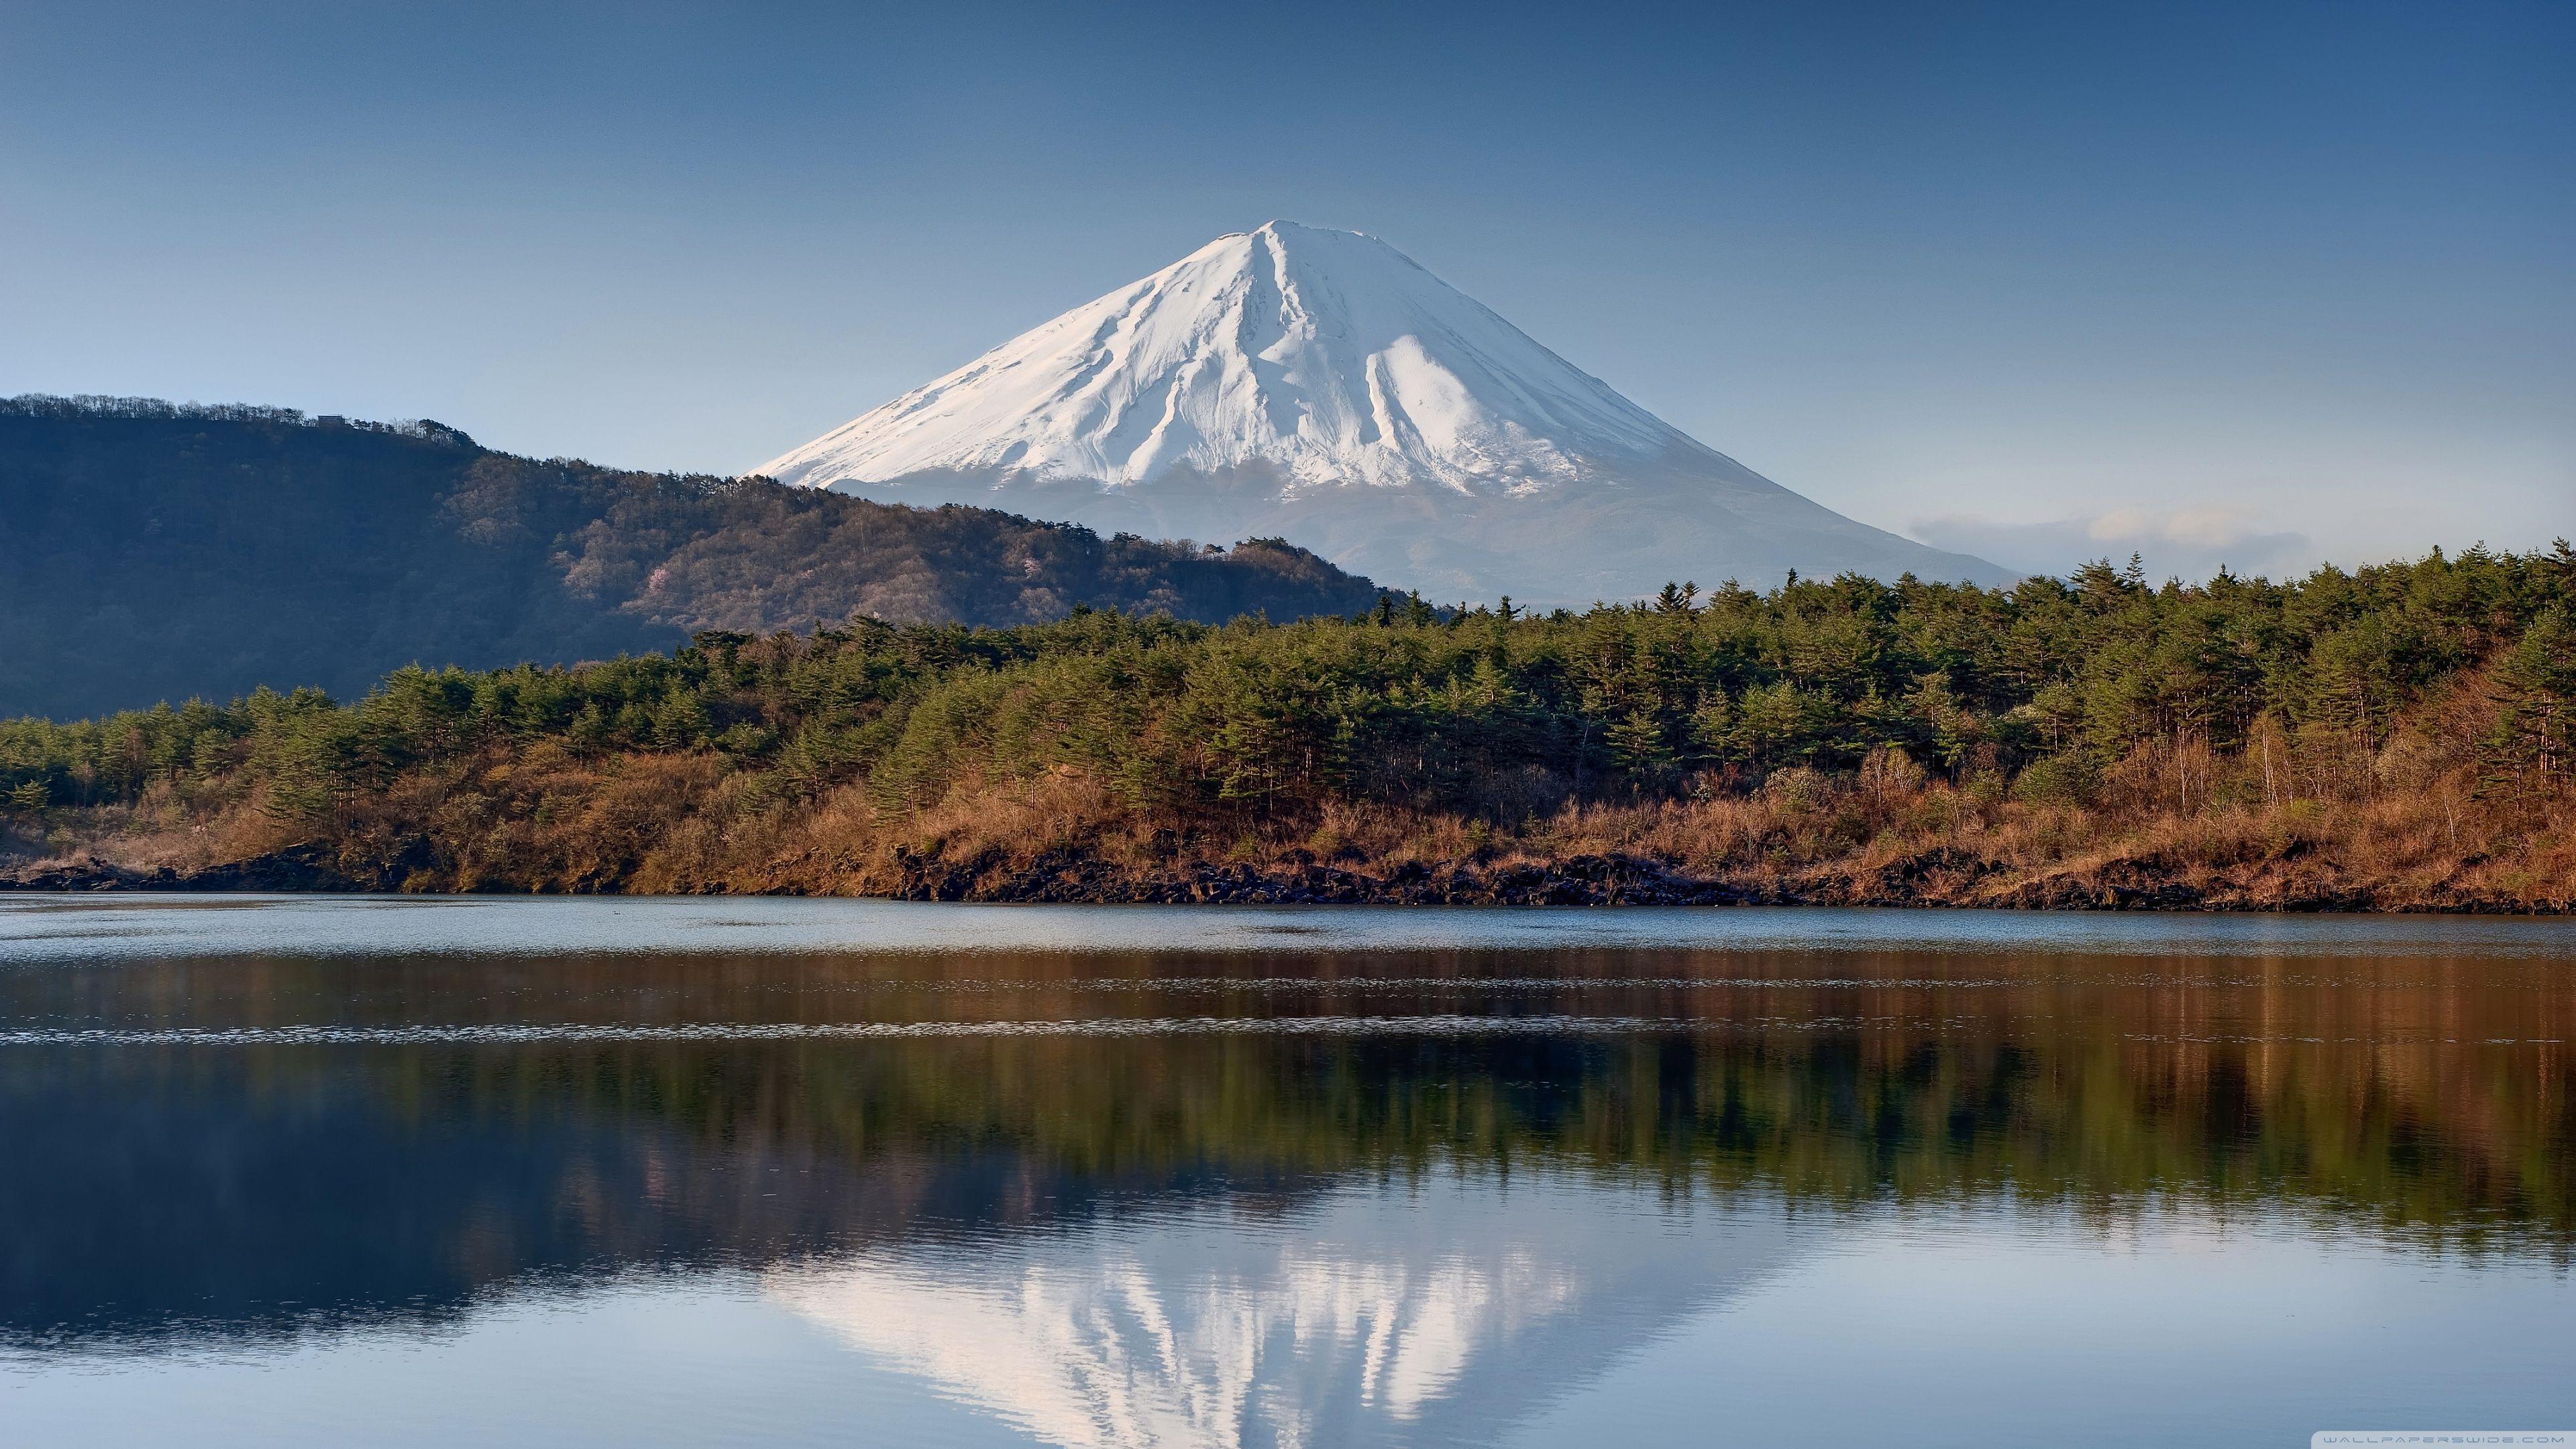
(158, 551)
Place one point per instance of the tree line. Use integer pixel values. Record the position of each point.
(2051, 690)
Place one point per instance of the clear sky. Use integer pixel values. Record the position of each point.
(2253, 283)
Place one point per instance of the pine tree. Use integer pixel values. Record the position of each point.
(2533, 743)
(1637, 742)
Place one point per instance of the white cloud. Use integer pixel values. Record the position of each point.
(2189, 543)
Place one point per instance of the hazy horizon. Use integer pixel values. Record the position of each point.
(2209, 286)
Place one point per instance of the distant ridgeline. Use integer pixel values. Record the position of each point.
(158, 551)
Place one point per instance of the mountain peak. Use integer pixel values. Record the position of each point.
(1327, 356)
(1322, 385)
(1281, 228)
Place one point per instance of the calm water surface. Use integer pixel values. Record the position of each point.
(676, 1172)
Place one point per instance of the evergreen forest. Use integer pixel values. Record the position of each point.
(2400, 734)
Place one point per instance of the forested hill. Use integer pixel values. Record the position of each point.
(160, 552)
(2400, 736)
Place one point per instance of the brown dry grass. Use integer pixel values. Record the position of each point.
(2413, 834)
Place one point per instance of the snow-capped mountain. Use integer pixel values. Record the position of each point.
(1321, 386)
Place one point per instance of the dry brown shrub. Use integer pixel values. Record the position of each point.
(1889, 777)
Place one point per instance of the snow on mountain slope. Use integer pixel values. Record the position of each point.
(1321, 385)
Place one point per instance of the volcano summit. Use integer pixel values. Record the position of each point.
(1321, 386)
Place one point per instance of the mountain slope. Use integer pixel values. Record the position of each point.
(1321, 385)
(157, 552)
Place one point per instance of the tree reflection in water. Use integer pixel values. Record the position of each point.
(1247, 1218)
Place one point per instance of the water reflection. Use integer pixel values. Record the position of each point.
(1219, 1198)
(1445, 1315)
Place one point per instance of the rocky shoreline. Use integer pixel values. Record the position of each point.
(1935, 879)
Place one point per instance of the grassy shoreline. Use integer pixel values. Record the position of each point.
(670, 824)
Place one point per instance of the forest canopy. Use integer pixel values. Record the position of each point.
(2050, 690)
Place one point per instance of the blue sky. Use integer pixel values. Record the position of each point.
(2252, 284)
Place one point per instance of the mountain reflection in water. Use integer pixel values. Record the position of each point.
(1445, 1314)
(1297, 1197)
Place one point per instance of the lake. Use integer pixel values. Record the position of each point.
(682, 1172)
